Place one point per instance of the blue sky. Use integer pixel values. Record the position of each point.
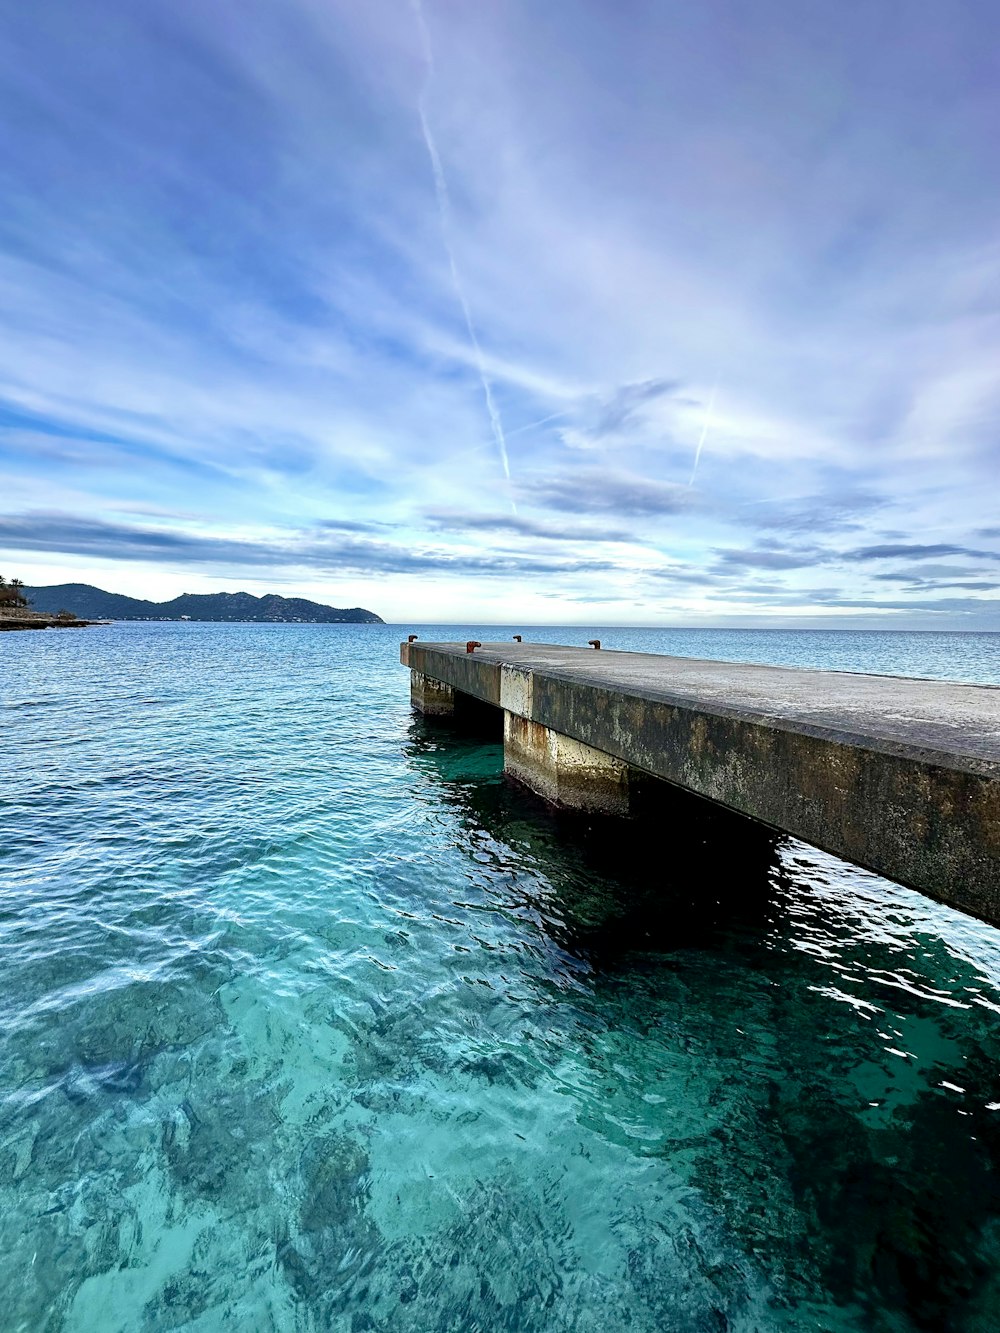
(562, 312)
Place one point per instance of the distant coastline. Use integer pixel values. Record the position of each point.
(88, 603)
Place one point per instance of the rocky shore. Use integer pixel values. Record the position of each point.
(37, 620)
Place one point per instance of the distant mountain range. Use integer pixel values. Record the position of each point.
(91, 603)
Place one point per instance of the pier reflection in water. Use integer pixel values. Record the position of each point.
(837, 1120)
(671, 876)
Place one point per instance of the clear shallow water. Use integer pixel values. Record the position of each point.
(309, 1021)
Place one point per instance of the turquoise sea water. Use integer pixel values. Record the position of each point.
(309, 1021)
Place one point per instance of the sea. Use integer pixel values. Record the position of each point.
(310, 1021)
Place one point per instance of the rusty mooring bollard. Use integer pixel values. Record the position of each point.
(594, 643)
(517, 638)
(410, 638)
(472, 645)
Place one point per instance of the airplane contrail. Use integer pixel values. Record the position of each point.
(444, 209)
(541, 422)
(704, 431)
(508, 434)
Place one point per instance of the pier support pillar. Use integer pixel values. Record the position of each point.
(564, 771)
(431, 697)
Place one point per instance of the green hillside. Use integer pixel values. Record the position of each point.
(95, 604)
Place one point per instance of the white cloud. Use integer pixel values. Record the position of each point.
(236, 280)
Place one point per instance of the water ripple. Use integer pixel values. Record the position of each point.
(311, 1022)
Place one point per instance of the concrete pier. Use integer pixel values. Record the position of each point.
(564, 771)
(900, 776)
(431, 697)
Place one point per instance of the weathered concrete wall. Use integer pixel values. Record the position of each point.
(467, 672)
(431, 697)
(877, 785)
(563, 770)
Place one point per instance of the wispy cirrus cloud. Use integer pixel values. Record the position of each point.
(333, 549)
(775, 557)
(547, 529)
(837, 508)
(916, 551)
(600, 491)
(918, 583)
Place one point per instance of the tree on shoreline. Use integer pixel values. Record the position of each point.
(11, 595)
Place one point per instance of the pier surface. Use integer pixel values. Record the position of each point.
(898, 775)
